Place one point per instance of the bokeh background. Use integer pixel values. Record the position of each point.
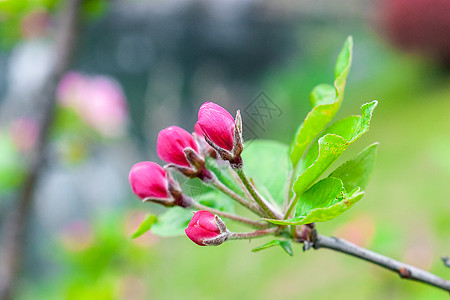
(142, 65)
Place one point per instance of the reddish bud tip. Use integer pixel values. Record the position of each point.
(218, 124)
(148, 180)
(171, 144)
(204, 230)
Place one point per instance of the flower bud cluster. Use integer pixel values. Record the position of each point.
(214, 135)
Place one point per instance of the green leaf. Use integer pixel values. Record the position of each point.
(322, 94)
(266, 162)
(350, 128)
(286, 245)
(324, 201)
(145, 225)
(355, 173)
(324, 193)
(173, 222)
(326, 104)
(331, 147)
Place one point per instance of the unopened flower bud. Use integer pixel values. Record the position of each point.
(171, 144)
(149, 180)
(206, 148)
(206, 229)
(217, 124)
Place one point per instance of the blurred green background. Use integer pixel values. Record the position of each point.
(162, 59)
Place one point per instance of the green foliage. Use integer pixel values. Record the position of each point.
(329, 147)
(284, 244)
(326, 103)
(316, 147)
(145, 225)
(174, 221)
(324, 201)
(334, 199)
(355, 172)
(267, 164)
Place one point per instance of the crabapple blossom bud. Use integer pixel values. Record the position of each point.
(198, 130)
(217, 124)
(149, 180)
(171, 144)
(205, 147)
(206, 229)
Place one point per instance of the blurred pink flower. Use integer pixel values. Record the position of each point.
(359, 231)
(99, 100)
(24, 133)
(77, 236)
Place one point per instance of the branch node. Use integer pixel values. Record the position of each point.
(404, 272)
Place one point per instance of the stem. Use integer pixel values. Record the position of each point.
(291, 207)
(239, 181)
(251, 235)
(404, 270)
(14, 229)
(270, 211)
(237, 218)
(224, 189)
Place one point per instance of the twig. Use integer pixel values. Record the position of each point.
(16, 224)
(270, 211)
(251, 235)
(404, 270)
(237, 218)
(224, 189)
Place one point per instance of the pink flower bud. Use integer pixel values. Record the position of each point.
(148, 180)
(24, 133)
(206, 229)
(217, 124)
(171, 144)
(198, 130)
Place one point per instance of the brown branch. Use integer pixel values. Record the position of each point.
(14, 229)
(404, 270)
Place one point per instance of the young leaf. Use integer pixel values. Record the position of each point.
(324, 193)
(331, 147)
(172, 222)
(355, 173)
(266, 162)
(350, 128)
(286, 245)
(145, 225)
(327, 104)
(324, 201)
